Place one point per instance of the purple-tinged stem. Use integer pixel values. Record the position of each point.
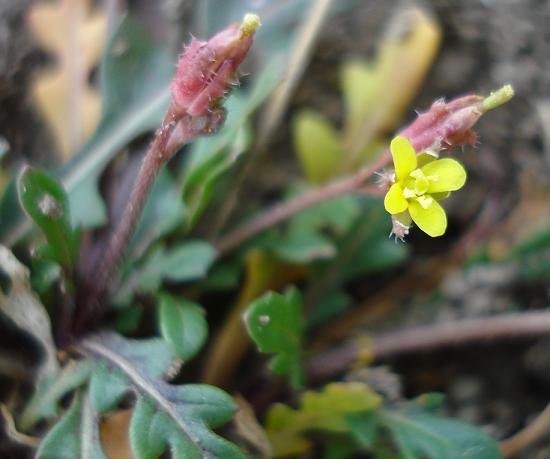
(444, 124)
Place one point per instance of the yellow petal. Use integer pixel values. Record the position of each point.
(424, 158)
(445, 175)
(404, 157)
(432, 220)
(394, 202)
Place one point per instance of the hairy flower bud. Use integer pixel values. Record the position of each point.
(446, 124)
(207, 69)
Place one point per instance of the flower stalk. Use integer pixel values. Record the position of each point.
(205, 72)
(443, 126)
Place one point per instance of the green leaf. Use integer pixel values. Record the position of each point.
(419, 434)
(183, 325)
(307, 237)
(301, 247)
(46, 202)
(329, 306)
(50, 390)
(107, 387)
(317, 145)
(364, 427)
(275, 323)
(336, 215)
(75, 435)
(366, 244)
(135, 76)
(211, 158)
(327, 411)
(182, 263)
(165, 417)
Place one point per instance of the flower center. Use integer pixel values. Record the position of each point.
(416, 184)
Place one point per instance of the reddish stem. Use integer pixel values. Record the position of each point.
(283, 211)
(431, 337)
(160, 150)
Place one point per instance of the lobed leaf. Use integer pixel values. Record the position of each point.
(183, 325)
(165, 417)
(49, 391)
(275, 323)
(327, 411)
(75, 435)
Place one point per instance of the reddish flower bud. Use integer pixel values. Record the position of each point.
(446, 124)
(206, 69)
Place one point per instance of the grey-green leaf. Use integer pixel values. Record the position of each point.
(134, 75)
(182, 263)
(49, 391)
(276, 325)
(183, 325)
(75, 435)
(107, 387)
(166, 416)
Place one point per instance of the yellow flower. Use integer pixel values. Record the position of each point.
(419, 182)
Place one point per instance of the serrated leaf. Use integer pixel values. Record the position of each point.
(49, 391)
(46, 202)
(21, 307)
(276, 325)
(185, 262)
(263, 272)
(318, 146)
(326, 411)
(166, 416)
(420, 434)
(183, 325)
(76, 435)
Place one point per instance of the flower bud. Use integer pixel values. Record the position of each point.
(207, 69)
(446, 124)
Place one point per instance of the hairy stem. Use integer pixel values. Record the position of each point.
(283, 211)
(158, 153)
(431, 337)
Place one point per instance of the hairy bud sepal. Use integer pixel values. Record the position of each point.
(206, 70)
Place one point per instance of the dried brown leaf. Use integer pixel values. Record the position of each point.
(75, 37)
